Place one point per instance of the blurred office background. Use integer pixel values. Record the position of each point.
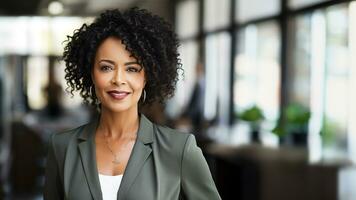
(269, 90)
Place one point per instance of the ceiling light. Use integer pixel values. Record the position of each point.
(55, 8)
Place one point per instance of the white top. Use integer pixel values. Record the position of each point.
(109, 186)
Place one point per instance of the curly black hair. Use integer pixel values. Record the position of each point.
(148, 37)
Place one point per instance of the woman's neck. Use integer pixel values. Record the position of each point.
(118, 125)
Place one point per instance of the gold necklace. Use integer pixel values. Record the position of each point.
(116, 159)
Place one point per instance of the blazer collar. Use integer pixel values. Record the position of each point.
(139, 154)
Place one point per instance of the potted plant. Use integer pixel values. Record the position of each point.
(254, 117)
(294, 125)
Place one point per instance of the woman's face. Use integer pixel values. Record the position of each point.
(118, 78)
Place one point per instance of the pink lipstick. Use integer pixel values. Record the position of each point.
(118, 95)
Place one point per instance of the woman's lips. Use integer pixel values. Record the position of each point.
(118, 95)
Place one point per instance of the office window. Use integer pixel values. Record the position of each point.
(38, 36)
(306, 83)
(37, 81)
(13, 35)
(322, 78)
(337, 88)
(216, 14)
(352, 109)
(187, 18)
(59, 35)
(217, 77)
(299, 71)
(253, 9)
(296, 4)
(257, 70)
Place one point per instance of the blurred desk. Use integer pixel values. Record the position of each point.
(254, 172)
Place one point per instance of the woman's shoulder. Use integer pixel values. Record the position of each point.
(171, 132)
(62, 138)
(173, 144)
(172, 137)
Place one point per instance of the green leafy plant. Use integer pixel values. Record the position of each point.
(296, 120)
(254, 116)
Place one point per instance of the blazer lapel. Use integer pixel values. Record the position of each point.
(88, 158)
(139, 155)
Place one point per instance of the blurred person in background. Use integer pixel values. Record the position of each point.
(120, 62)
(194, 110)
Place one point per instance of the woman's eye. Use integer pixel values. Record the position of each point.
(132, 69)
(105, 68)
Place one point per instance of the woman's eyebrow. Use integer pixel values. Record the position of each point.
(132, 63)
(113, 63)
(109, 61)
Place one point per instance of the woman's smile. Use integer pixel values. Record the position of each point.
(118, 95)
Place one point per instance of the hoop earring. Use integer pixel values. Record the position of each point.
(144, 95)
(96, 100)
(98, 104)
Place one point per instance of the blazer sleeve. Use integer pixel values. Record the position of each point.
(197, 182)
(53, 189)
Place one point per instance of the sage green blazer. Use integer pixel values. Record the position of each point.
(164, 165)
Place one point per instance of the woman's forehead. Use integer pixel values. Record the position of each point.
(113, 49)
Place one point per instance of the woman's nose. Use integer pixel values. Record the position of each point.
(120, 76)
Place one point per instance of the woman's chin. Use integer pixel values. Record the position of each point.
(117, 108)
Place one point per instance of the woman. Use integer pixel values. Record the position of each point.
(120, 62)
